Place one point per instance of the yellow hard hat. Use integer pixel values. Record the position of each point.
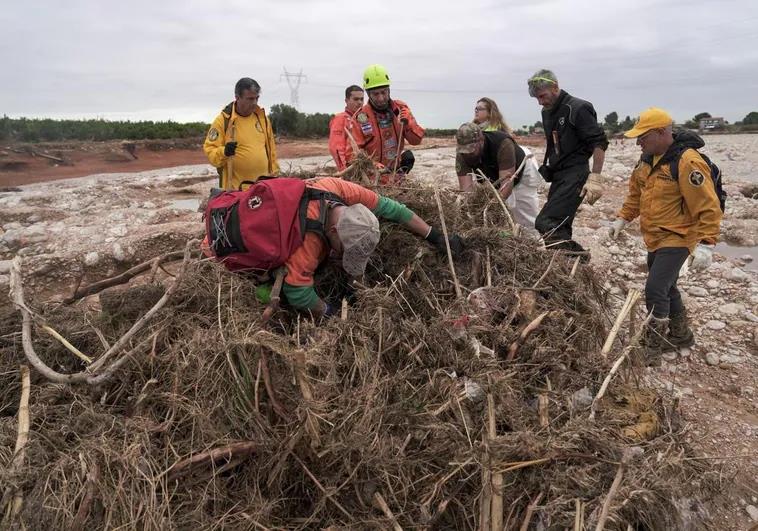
(375, 76)
(652, 118)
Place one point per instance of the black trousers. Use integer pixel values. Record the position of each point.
(556, 218)
(661, 293)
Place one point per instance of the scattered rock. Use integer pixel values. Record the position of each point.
(713, 284)
(752, 510)
(581, 399)
(669, 356)
(730, 359)
(5, 266)
(731, 308)
(697, 291)
(91, 259)
(738, 274)
(711, 358)
(715, 325)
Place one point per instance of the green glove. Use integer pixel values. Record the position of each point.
(263, 293)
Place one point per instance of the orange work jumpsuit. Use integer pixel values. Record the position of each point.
(378, 132)
(338, 139)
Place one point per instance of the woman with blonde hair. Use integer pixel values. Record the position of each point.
(488, 116)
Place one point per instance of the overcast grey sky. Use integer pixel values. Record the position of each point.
(168, 59)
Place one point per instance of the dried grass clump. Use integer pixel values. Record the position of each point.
(418, 410)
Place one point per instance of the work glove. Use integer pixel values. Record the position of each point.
(405, 115)
(618, 226)
(592, 189)
(437, 239)
(702, 258)
(230, 148)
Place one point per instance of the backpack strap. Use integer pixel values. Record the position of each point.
(324, 197)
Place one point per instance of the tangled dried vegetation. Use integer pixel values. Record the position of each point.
(419, 409)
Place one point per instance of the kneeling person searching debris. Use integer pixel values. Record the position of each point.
(299, 224)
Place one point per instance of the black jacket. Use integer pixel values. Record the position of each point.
(572, 132)
(489, 163)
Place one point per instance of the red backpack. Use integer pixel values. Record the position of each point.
(259, 228)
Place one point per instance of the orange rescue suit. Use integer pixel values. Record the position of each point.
(679, 213)
(338, 138)
(377, 132)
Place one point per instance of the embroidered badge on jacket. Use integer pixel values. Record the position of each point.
(696, 178)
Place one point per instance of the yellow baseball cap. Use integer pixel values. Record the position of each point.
(652, 118)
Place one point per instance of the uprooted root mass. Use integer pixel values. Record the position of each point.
(404, 414)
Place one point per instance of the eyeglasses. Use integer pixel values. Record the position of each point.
(643, 136)
(477, 109)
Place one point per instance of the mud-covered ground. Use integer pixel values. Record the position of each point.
(85, 229)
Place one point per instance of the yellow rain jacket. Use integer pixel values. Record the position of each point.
(674, 213)
(256, 151)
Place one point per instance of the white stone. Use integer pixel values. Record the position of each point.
(746, 258)
(752, 510)
(730, 358)
(669, 356)
(5, 266)
(697, 291)
(713, 284)
(732, 308)
(148, 204)
(738, 274)
(711, 358)
(5, 280)
(716, 325)
(685, 352)
(91, 259)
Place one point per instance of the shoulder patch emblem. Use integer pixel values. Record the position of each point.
(696, 178)
(361, 117)
(562, 121)
(213, 134)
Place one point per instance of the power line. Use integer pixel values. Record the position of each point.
(293, 80)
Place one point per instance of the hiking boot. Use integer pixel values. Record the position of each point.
(680, 334)
(570, 248)
(654, 341)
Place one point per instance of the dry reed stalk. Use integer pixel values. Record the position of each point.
(616, 365)
(578, 515)
(625, 460)
(322, 489)
(502, 204)
(543, 410)
(19, 452)
(93, 475)
(210, 458)
(631, 300)
(63, 341)
(496, 511)
(381, 504)
(530, 512)
(305, 389)
(399, 148)
(575, 267)
(489, 269)
(458, 292)
(547, 270)
(531, 327)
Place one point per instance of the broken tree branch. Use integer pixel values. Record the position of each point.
(124, 277)
(211, 458)
(90, 375)
(458, 292)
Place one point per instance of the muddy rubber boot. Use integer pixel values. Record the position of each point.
(571, 249)
(680, 333)
(654, 341)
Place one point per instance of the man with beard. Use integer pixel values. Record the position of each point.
(337, 135)
(573, 136)
(382, 127)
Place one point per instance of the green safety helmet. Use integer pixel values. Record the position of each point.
(375, 76)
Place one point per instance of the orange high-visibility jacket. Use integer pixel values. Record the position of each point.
(338, 139)
(377, 133)
(679, 213)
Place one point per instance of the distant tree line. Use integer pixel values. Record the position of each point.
(47, 130)
(749, 123)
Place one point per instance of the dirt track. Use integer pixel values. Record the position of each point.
(93, 227)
